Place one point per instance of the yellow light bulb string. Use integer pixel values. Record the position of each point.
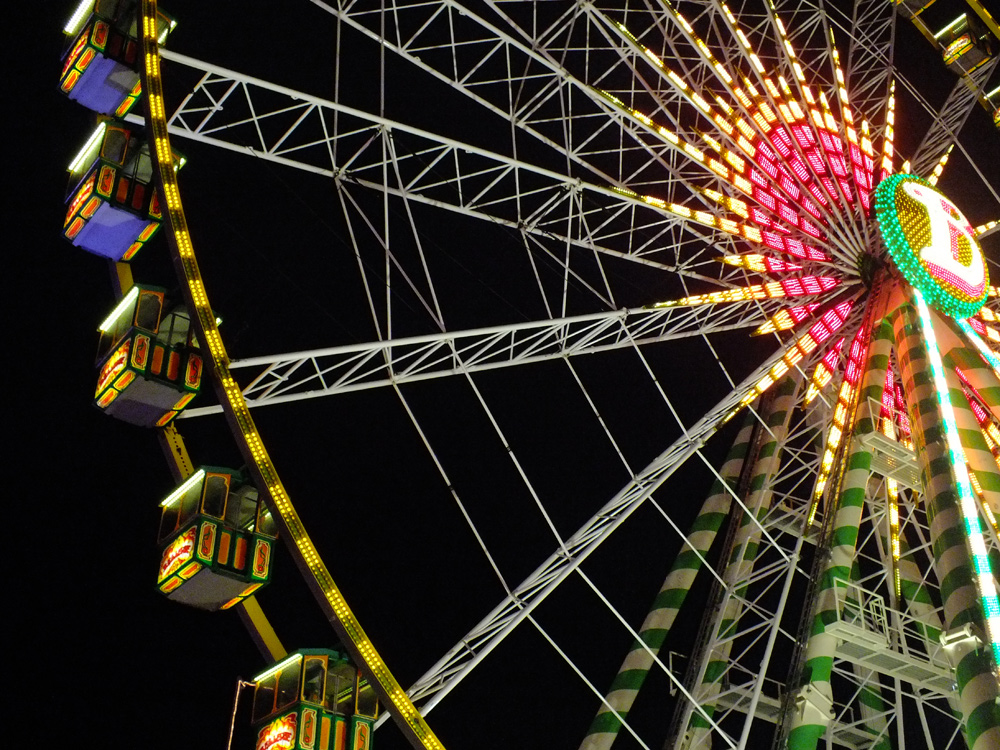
(345, 623)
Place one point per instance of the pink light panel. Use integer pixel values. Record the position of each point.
(823, 373)
(803, 136)
(853, 370)
(801, 170)
(904, 419)
(782, 143)
(765, 198)
(768, 166)
(982, 416)
(989, 333)
(789, 186)
(809, 228)
(792, 316)
(888, 398)
(831, 322)
(817, 194)
(788, 215)
(832, 357)
(812, 209)
(816, 162)
(796, 287)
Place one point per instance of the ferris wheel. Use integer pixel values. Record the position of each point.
(459, 204)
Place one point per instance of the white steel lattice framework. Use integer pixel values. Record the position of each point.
(553, 171)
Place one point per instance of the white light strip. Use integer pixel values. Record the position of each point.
(277, 667)
(182, 490)
(950, 26)
(163, 36)
(98, 134)
(76, 20)
(121, 307)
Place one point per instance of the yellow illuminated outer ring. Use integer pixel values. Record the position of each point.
(297, 539)
(897, 239)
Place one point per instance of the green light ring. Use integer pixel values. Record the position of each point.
(938, 294)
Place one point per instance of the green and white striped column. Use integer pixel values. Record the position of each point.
(872, 705)
(977, 684)
(957, 353)
(977, 452)
(741, 558)
(656, 627)
(917, 602)
(814, 701)
(916, 597)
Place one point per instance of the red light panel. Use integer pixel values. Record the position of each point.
(851, 372)
(887, 394)
(904, 419)
(811, 209)
(796, 287)
(809, 228)
(832, 357)
(982, 416)
(773, 240)
(818, 194)
(800, 250)
(857, 347)
(782, 144)
(790, 187)
(800, 169)
(801, 312)
(828, 325)
(803, 136)
(830, 188)
(765, 198)
(776, 265)
(816, 162)
(767, 151)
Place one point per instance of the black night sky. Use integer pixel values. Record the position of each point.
(111, 661)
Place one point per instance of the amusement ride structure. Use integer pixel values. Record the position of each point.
(540, 285)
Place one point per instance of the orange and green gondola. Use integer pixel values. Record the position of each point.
(966, 44)
(313, 700)
(149, 365)
(216, 540)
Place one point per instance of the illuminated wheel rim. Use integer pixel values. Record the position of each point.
(841, 304)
